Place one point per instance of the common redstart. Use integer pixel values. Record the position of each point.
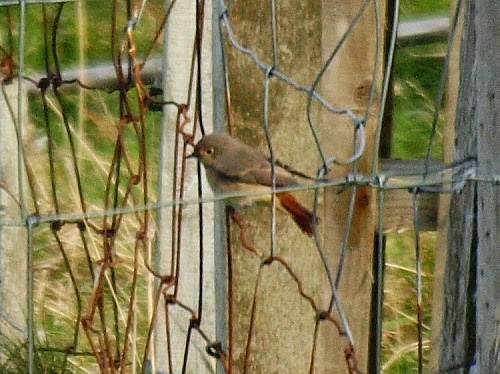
(233, 166)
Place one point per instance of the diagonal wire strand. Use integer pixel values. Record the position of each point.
(442, 85)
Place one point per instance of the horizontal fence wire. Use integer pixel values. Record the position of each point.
(445, 180)
(87, 201)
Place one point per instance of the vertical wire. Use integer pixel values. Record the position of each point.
(273, 160)
(20, 107)
(378, 58)
(131, 309)
(20, 162)
(380, 255)
(228, 335)
(324, 260)
(357, 154)
(134, 341)
(253, 313)
(345, 240)
(31, 222)
(222, 231)
(379, 282)
(160, 213)
(442, 85)
(275, 33)
(139, 12)
(334, 300)
(186, 348)
(200, 22)
(227, 90)
(64, 114)
(385, 88)
(81, 24)
(168, 334)
(266, 123)
(201, 231)
(418, 262)
(314, 345)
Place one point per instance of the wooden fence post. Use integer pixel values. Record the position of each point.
(346, 84)
(444, 199)
(13, 284)
(179, 38)
(275, 342)
(471, 326)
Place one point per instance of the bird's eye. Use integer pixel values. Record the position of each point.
(210, 151)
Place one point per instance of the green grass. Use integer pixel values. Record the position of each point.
(400, 327)
(417, 72)
(55, 299)
(15, 359)
(417, 75)
(421, 8)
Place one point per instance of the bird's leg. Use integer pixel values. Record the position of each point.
(236, 217)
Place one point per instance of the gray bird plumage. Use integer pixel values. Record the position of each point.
(234, 160)
(232, 166)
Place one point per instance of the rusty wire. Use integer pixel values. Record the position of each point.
(108, 343)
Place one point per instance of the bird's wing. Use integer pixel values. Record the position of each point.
(258, 171)
(263, 175)
(245, 164)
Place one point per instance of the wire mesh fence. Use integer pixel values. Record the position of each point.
(120, 224)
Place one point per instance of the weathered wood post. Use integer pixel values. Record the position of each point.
(179, 39)
(444, 199)
(280, 335)
(347, 84)
(470, 329)
(13, 286)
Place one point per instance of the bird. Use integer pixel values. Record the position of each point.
(232, 166)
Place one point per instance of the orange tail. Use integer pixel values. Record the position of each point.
(302, 217)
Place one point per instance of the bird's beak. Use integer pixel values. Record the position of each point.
(193, 155)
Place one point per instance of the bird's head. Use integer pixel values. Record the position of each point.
(208, 149)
